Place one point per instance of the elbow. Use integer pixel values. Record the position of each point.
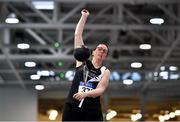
(77, 36)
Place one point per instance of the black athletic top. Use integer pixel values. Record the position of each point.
(92, 81)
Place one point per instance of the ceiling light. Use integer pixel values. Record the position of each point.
(161, 118)
(52, 114)
(45, 73)
(12, 19)
(136, 65)
(43, 5)
(155, 73)
(173, 68)
(39, 87)
(136, 76)
(135, 117)
(172, 115)
(128, 82)
(145, 46)
(35, 77)
(163, 73)
(30, 64)
(23, 46)
(69, 75)
(174, 76)
(157, 21)
(162, 68)
(177, 112)
(111, 114)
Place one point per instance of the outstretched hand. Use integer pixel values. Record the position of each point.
(85, 12)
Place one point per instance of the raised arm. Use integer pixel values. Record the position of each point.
(78, 40)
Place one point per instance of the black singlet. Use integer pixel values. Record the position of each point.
(93, 80)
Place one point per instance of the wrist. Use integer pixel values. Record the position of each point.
(86, 94)
(85, 15)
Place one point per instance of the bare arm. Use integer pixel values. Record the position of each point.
(78, 40)
(101, 87)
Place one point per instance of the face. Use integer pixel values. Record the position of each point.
(101, 51)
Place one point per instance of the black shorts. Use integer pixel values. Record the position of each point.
(74, 113)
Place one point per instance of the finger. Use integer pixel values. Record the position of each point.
(84, 10)
(78, 98)
(75, 95)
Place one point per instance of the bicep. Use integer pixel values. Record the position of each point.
(104, 81)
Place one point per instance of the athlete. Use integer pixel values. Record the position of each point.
(83, 101)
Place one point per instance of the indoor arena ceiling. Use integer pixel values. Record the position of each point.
(122, 24)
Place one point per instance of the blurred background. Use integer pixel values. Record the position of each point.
(37, 63)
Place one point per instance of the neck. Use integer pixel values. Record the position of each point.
(97, 63)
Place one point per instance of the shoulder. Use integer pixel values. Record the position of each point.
(80, 66)
(78, 63)
(106, 71)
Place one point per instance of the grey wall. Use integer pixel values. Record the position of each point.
(18, 104)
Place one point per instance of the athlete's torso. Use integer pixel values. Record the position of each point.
(91, 83)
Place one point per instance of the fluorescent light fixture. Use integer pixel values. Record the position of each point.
(127, 81)
(39, 87)
(45, 73)
(145, 46)
(43, 5)
(173, 68)
(23, 46)
(163, 73)
(35, 77)
(174, 76)
(136, 65)
(30, 64)
(12, 19)
(157, 21)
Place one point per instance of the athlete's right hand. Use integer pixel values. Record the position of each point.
(85, 12)
(80, 95)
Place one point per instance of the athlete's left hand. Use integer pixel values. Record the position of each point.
(79, 96)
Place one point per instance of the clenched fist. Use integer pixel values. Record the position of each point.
(85, 12)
